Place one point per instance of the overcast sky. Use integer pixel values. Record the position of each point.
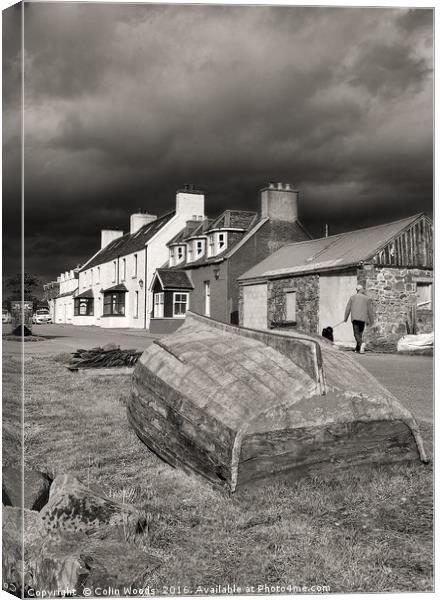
(126, 103)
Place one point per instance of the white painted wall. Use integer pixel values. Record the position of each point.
(63, 307)
(334, 292)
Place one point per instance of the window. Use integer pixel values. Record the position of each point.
(207, 285)
(136, 305)
(180, 302)
(291, 306)
(135, 265)
(124, 269)
(221, 241)
(114, 303)
(199, 247)
(189, 252)
(171, 257)
(83, 307)
(424, 295)
(211, 245)
(180, 253)
(114, 271)
(158, 305)
(98, 278)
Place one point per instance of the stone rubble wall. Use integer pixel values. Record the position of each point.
(307, 301)
(393, 291)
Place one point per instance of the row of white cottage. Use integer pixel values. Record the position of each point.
(112, 288)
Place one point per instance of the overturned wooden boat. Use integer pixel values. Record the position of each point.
(235, 405)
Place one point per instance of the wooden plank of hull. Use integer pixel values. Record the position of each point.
(337, 444)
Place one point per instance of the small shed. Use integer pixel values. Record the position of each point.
(306, 285)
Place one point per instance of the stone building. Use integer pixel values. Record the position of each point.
(306, 285)
(114, 284)
(206, 257)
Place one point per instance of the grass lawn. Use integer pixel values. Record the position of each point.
(354, 531)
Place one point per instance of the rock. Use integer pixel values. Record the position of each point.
(15, 541)
(75, 561)
(36, 488)
(110, 346)
(75, 508)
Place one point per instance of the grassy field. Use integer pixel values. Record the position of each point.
(368, 531)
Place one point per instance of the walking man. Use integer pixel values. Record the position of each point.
(361, 314)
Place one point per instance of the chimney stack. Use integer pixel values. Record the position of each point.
(108, 235)
(279, 202)
(139, 219)
(190, 201)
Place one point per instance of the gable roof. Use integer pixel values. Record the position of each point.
(335, 251)
(128, 243)
(174, 279)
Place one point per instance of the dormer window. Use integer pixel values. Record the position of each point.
(189, 252)
(221, 242)
(180, 253)
(171, 257)
(211, 250)
(199, 248)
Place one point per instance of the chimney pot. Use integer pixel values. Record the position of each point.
(280, 185)
(271, 184)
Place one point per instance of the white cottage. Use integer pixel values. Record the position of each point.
(114, 284)
(61, 307)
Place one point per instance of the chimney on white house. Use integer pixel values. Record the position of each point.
(108, 235)
(190, 201)
(139, 219)
(279, 202)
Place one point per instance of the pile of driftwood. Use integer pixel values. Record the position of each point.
(103, 358)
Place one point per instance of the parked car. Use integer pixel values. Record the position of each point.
(6, 316)
(42, 316)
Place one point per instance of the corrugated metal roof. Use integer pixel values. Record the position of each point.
(128, 243)
(331, 252)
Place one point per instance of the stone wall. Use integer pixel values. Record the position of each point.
(393, 291)
(424, 321)
(307, 301)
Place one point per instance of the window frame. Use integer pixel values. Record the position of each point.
(158, 305)
(118, 303)
(207, 298)
(135, 266)
(124, 269)
(90, 308)
(185, 303)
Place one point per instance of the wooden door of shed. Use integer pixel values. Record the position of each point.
(334, 292)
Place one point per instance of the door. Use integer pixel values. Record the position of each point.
(334, 292)
(255, 306)
(207, 298)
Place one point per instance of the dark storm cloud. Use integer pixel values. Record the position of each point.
(125, 103)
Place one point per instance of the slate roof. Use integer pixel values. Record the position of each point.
(120, 287)
(234, 219)
(229, 218)
(341, 250)
(185, 233)
(86, 294)
(174, 279)
(65, 294)
(128, 243)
